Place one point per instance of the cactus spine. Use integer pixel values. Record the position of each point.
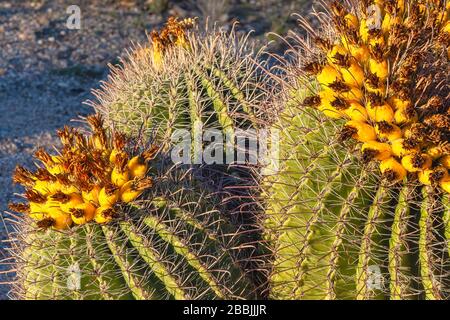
(339, 227)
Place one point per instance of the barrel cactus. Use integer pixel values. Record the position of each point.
(149, 234)
(117, 220)
(358, 204)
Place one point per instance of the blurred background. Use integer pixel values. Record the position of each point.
(47, 70)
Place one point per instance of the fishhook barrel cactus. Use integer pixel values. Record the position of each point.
(112, 225)
(358, 207)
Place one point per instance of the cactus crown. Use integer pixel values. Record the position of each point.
(86, 181)
(383, 67)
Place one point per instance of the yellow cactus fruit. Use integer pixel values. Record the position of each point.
(57, 159)
(398, 103)
(64, 201)
(112, 156)
(392, 170)
(445, 161)
(92, 195)
(381, 113)
(388, 22)
(356, 111)
(364, 30)
(157, 49)
(27, 208)
(381, 90)
(120, 174)
(133, 189)
(335, 53)
(138, 165)
(56, 169)
(38, 211)
(108, 196)
(379, 77)
(435, 152)
(388, 131)
(359, 130)
(351, 21)
(355, 94)
(376, 150)
(174, 34)
(377, 41)
(68, 189)
(360, 52)
(119, 177)
(74, 199)
(56, 219)
(104, 214)
(83, 213)
(326, 99)
(425, 177)
(353, 75)
(401, 147)
(432, 176)
(46, 187)
(405, 116)
(328, 75)
(379, 68)
(416, 162)
(446, 28)
(400, 5)
(128, 194)
(445, 184)
(98, 143)
(51, 163)
(119, 143)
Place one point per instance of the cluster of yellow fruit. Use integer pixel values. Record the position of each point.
(370, 75)
(86, 181)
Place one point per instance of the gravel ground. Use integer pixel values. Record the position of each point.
(47, 70)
